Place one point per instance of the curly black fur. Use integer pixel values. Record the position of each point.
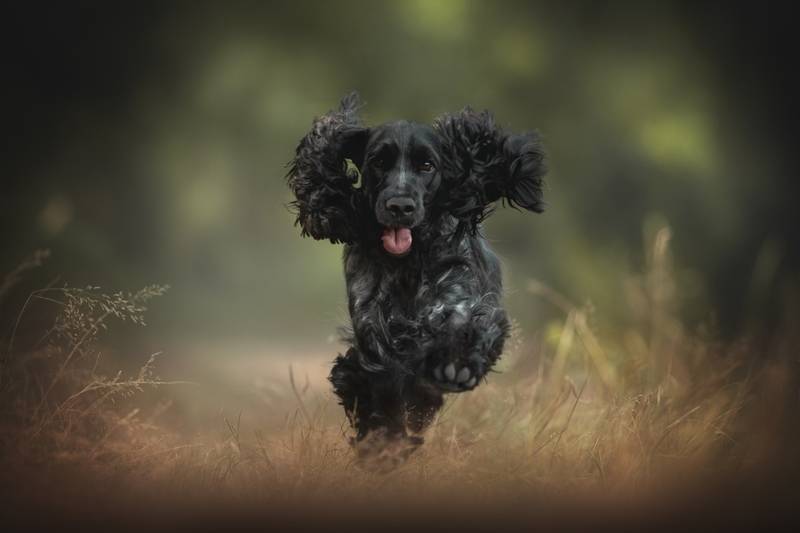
(327, 204)
(482, 164)
(426, 317)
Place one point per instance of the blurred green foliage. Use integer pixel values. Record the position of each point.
(178, 177)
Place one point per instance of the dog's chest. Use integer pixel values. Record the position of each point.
(403, 291)
(394, 289)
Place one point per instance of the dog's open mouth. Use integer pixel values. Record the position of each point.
(396, 241)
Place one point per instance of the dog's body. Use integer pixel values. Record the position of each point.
(424, 289)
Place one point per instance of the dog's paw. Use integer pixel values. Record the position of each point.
(457, 376)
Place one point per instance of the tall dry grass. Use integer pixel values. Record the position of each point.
(649, 408)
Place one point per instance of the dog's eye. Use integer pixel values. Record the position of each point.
(427, 166)
(381, 163)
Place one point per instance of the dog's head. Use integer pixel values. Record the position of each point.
(411, 175)
(400, 178)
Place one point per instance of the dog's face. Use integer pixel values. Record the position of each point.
(400, 176)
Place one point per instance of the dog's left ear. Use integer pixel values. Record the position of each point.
(482, 164)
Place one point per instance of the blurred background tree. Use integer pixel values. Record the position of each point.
(148, 143)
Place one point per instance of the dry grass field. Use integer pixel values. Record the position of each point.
(655, 422)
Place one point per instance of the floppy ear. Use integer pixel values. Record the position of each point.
(482, 164)
(326, 203)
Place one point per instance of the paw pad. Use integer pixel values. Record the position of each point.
(453, 379)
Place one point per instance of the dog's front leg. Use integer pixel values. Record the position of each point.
(469, 329)
(372, 400)
(370, 380)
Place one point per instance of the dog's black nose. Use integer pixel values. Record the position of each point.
(401, 205)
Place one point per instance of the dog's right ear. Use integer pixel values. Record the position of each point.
(327, 204)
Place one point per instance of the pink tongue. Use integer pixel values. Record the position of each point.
(396, 241)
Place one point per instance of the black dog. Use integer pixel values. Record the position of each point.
(424, 289)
